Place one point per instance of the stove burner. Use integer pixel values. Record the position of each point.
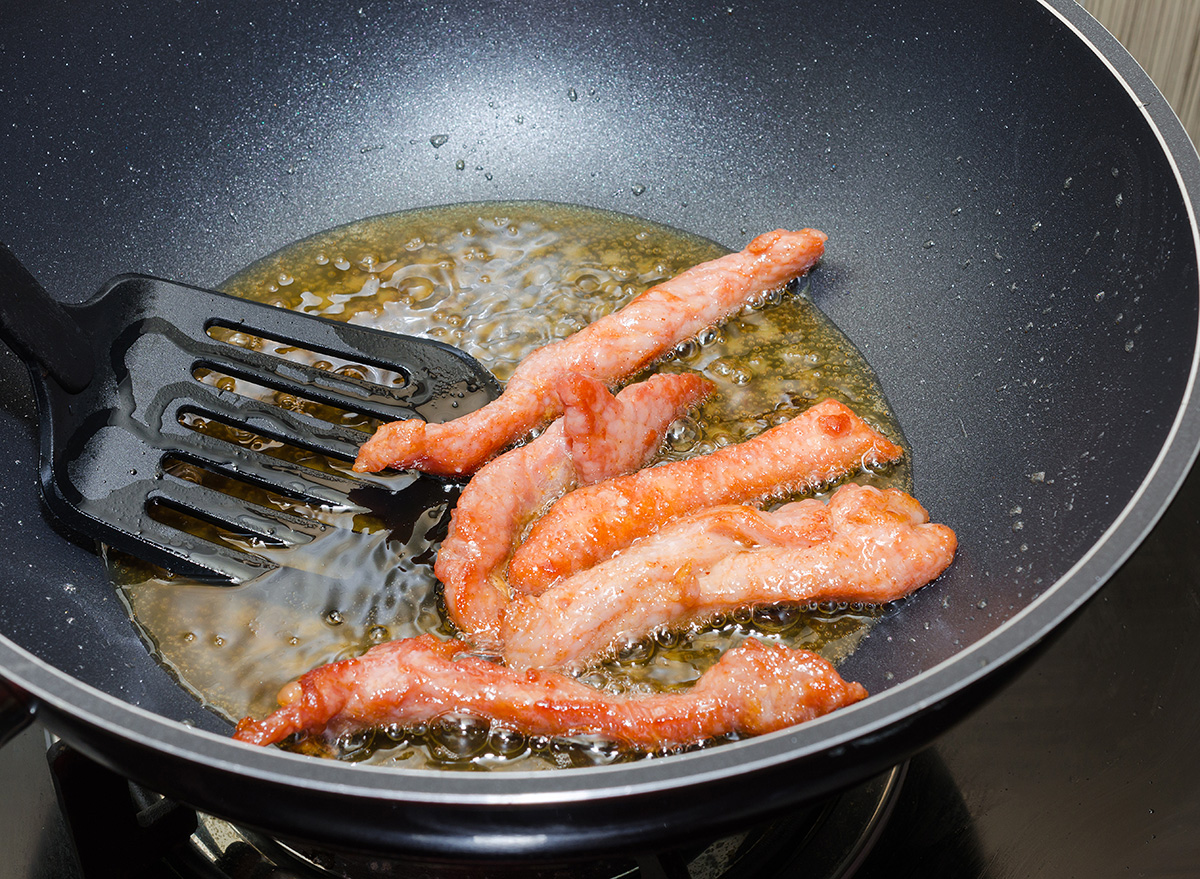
(827, 840)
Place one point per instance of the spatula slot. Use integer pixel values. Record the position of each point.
(255, 458)
(178, 469)
(239, 530)
(232, 521)
(322, 457)
(245, 419)
(282, 399)
(358, 368)
(341, 392)
(223, 550)
(284, 477)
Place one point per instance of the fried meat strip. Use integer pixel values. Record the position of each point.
(821, 445)
(599, 436)
(752, 689)
(611, 349)
(866, 545)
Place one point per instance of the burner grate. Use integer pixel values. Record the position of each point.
(122, 830)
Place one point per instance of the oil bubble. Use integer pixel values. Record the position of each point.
(507, 742)
(460, 737)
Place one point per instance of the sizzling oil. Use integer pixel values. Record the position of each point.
(498, 280)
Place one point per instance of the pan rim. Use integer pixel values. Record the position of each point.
(59, 692)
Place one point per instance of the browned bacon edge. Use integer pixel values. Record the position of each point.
(753, 689)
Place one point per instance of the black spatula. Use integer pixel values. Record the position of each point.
(116, 380)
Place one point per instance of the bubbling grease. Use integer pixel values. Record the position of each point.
(497, 280)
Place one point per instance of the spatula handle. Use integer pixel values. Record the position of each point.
(39, 329)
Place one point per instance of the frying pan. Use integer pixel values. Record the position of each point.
(1012, 245)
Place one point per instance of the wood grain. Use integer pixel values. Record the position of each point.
(1164, 37)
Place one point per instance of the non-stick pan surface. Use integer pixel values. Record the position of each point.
(1012, 245)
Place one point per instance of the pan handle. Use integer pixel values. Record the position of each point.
(39, 329)
(15, 713)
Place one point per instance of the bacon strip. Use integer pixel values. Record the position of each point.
(609, 350)
(866, 545)
(821, 445)
(753, 689)
(599, 436)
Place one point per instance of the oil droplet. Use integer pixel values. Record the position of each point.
(572, 95)
(637, 188)
(439, 140)
(460, 165)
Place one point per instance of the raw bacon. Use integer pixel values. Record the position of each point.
(609, 350)
(599, 436)
(752, 689)
(867, 545)
(821, 445)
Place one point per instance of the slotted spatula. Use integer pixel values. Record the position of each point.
(116, 380)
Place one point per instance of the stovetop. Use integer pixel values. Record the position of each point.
(1083, 766)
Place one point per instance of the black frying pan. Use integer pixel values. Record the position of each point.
(1012, 245)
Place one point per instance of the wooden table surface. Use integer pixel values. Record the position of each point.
(1164, 37)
